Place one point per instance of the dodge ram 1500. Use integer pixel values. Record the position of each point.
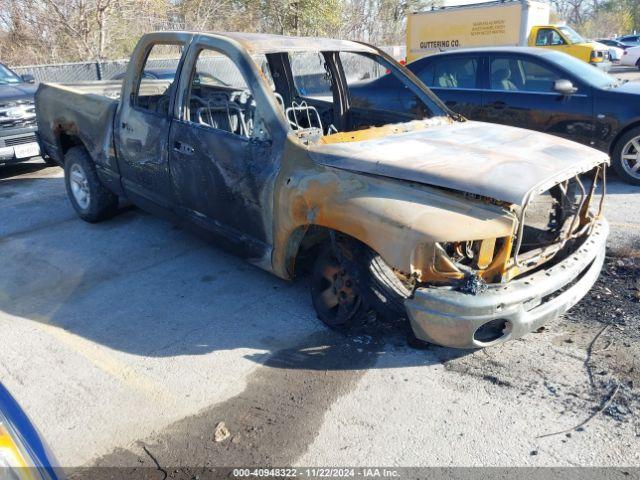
(478, 233)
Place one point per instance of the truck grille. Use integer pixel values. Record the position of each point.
(18, 140)
(553, 222)
(17, 114)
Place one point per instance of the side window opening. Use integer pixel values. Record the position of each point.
(376, 94)
(153, 92)
(312, 110)
(219, 97)
(311, 75)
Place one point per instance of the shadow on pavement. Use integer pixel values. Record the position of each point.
(139, 285)
(27, 168)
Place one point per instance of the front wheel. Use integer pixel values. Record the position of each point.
(626, 157)
(349, 278)
(335, 293)
(91, 200)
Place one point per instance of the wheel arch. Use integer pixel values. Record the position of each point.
(66, 141)
(633, 125)
(301, 243)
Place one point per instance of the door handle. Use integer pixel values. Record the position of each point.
(183, 148)
(498, 105)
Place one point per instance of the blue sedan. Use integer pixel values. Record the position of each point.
(542, 90)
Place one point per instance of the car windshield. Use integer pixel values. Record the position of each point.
(582, 70)
(571, 34)
(7, 76)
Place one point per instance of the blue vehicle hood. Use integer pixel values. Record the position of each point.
(504, 163)
(628, 87)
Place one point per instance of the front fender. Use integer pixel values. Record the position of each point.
(391, 217)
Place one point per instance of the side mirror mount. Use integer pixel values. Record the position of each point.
(564, 87)
(28, 78)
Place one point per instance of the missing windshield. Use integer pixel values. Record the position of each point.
(337, 92)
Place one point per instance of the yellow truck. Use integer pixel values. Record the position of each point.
(504, 23)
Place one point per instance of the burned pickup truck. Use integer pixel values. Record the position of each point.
(276, 147)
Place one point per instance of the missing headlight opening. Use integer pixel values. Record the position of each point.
(552, 225)
(556, 221)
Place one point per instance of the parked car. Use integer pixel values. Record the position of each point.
(631, 57)
(18, 140)
(23, 452)
(630, 40)
(612, 42)
(410, 211)
(615, 53)
(541, 90)
(154, 73)
(170, 73)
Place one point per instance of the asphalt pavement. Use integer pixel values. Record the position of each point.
(134, 336)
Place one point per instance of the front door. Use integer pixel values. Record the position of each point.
(143, 121)
(521, 93)
(221, 158)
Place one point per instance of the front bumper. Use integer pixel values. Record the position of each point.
(605, 66)
(451, 318)
(18, 145)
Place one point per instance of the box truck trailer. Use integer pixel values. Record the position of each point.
(507, 23)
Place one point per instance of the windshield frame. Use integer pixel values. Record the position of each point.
(407, 79)
(404, 75)
(6, 74)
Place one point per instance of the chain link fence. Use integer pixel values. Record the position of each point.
(88, 71)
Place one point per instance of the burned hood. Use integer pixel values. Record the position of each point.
(504, 163)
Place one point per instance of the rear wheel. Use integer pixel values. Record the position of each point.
(91, 200)
(626, 157)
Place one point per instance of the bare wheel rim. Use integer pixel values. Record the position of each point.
(631, 157)
(336, 292)
(79, 186)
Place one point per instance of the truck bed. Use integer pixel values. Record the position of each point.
(84, 110)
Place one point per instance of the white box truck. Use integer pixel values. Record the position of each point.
(498, 23)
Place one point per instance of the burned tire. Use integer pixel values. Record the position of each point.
(335, 293)
(382, 288)
(91, 200)
(349, 278)
(626, 157)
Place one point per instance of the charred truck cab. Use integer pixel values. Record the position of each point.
(283, 150)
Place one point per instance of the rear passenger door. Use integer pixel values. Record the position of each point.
(520, 92)
(454, 79)
(142, 122)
